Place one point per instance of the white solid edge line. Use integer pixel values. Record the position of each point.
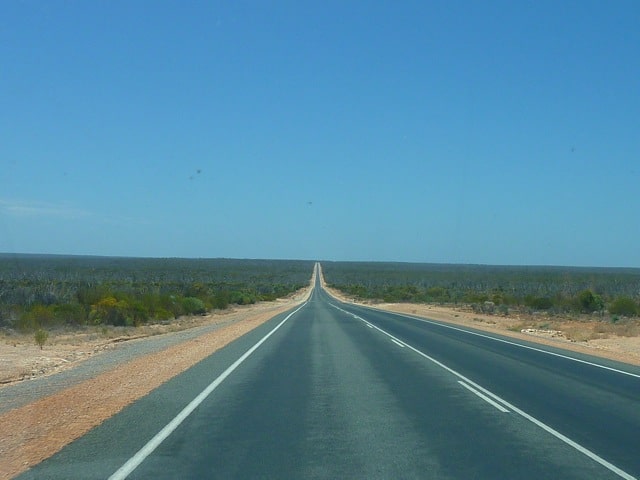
(483, 397)
(585, 451)
(444, 325)
(162, 435)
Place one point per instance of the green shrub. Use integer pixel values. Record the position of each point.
(221, 300)
(37, 316)
(162, 314)
(40, 337)
(475, 297)
(193, 306)
(137, 313)
(590, 302)
(625, 306)
(70, 313)
(538, 303)
(437, 293)
(171, 303)
(110, 311)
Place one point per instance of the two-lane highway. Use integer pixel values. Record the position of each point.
(339, 391)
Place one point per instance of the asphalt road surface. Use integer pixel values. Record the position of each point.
(332, 390)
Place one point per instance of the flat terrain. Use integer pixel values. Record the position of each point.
(85, 375)
(335, 390)
(21, 359)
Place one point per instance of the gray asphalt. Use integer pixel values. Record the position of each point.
(331, 395)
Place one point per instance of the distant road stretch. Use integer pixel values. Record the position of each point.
(332, 390)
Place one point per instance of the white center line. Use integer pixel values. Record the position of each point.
(483, 396)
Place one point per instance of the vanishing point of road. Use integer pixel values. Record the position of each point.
(332, 390)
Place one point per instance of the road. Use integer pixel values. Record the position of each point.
(334, 390)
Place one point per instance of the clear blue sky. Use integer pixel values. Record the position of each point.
(429, 131)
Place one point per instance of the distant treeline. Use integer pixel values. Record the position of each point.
(43, 291)
(492, 288)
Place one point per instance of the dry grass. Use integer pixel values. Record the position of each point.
(580, 334)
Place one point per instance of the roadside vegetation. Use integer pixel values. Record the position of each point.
(41, 292)
(609, 294)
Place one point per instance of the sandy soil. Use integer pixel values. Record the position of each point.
(30, 434)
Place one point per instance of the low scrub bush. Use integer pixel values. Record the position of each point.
(624, 306)
(193, 306)
(40, 336)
